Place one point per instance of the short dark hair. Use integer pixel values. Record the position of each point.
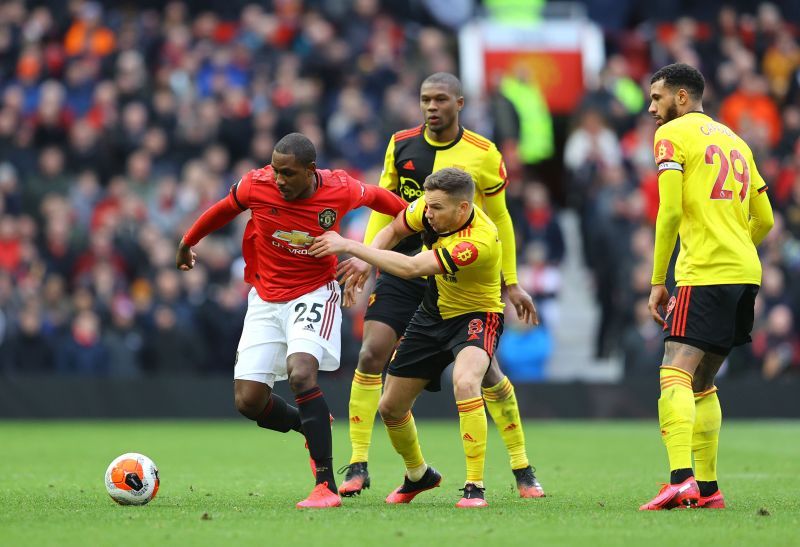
(681, 76)
(452, 181)
(446, 79)
(299, 146)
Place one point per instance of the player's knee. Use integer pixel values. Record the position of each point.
(301, 380)
(466, 387)
(373, 357)
(248, 405)
(391, 412)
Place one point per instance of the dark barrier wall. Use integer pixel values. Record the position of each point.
(63, 397)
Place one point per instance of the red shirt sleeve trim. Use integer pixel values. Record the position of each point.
(439, 260)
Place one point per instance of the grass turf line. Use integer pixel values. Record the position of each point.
(247, 481)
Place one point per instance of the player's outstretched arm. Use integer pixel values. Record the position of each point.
(761, 218)
(217, 216)
(398, 264)
(356, 271)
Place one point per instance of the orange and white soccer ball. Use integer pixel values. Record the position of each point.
(132, 479)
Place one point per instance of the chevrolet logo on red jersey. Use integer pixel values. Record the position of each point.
(294, 238)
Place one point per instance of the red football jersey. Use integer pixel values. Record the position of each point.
(279, 232)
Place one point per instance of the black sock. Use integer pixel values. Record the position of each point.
(707, 487)
(279, 416)
(315, 417)
(677, 476)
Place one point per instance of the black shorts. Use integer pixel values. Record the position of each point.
(395, 300)
(713, 318)
(430, 343)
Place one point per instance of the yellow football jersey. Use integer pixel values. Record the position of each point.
(719, 179)
(471, 259)
(411, 156)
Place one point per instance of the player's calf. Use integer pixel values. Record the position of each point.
(255, 401)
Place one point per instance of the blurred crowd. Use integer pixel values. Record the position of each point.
(751, 62)
(120, 125)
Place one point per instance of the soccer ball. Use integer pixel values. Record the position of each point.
(132, 479)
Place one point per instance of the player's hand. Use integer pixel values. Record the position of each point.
(659, 297)
(349, 295)
(523, 303)
(185, 257)
(329, 243)
(353, 271)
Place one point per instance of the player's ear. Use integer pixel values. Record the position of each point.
(312, 167)
(460, 103)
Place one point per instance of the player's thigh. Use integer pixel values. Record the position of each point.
(399, 395)
(313, 325)
(683, 356)
(469, 369)
(261, 353)
(704, 317)
(378, 342)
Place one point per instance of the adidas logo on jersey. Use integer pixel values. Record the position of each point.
(310, 327)
(356, 420)
(468, 438)
(409, 165)
(510, 427)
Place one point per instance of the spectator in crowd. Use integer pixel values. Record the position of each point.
(119, 125)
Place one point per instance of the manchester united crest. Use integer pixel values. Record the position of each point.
(327, 218)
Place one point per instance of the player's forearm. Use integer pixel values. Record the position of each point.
(667, 225)
(388, 261)
(387, 238)
(217, 216)
(761, 218)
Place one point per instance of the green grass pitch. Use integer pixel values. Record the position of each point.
(230, 483)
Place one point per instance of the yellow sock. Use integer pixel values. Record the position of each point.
(365, 392)
(705, 439)
(502, 404)
(473, 434)
(403, 434)
(676, 416)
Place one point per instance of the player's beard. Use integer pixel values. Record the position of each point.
(672, 113)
